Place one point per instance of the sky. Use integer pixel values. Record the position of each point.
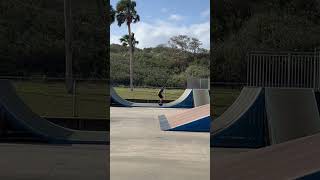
(162, 19)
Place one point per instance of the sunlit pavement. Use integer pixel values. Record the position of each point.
(141, 151)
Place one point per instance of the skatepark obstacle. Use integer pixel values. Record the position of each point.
(193, 120)
(189, 99)
(266, 116)
(278, 104)
(20, 116)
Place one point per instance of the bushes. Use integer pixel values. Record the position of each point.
(160, 66)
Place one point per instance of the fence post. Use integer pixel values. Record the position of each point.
(289, 70)
(314, 67)
(74, 99)
(248, 69)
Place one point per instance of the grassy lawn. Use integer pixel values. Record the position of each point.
(222, 99)
(148, 94)
(51, 99)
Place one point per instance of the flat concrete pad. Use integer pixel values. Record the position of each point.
(141, 151)
(49, 162)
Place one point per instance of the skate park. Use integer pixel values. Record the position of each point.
(274, 122)
(151, 139)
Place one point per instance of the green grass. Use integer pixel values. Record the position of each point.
(148, 94)
(52, 99)
(222, 99)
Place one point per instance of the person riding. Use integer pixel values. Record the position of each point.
(160, 94)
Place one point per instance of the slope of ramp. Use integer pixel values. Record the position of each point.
(194, 120)
(20, 115)
(184, 101)
(292, 113)
(296, 159)
(243, 124)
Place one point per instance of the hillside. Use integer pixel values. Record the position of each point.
(159, 66)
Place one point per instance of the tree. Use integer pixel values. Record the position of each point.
(179, 42)
(112, 14)
(194, 45)
(125, 41)
(126, 13)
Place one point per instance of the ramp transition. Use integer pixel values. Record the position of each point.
(295, 159)
(194, 120)
(189, 99)
(184, 101)
(18, 114)
(266, 116)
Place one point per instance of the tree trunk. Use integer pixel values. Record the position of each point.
(101, 9)
(68, 45)
(131, 57)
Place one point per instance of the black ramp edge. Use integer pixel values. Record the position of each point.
(164, 124)
(292, 113)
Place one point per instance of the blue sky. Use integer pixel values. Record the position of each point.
(162, 19)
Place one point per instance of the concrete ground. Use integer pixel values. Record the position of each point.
(141, 151)
(218, 154)
(53, 162)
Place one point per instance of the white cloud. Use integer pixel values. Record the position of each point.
(175, 17)
(151, 35)
(205, 13)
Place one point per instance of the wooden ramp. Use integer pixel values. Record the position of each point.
(194, 120)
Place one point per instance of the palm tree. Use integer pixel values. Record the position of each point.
(126, 13)
(125, 41)
(112, 14)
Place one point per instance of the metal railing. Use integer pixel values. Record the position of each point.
(284, 69)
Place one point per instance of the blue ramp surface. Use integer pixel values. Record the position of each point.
(244, 122)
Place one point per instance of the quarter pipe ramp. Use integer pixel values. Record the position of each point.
(18, 114)
(266, 116)
(243, 123)
(184, 101)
